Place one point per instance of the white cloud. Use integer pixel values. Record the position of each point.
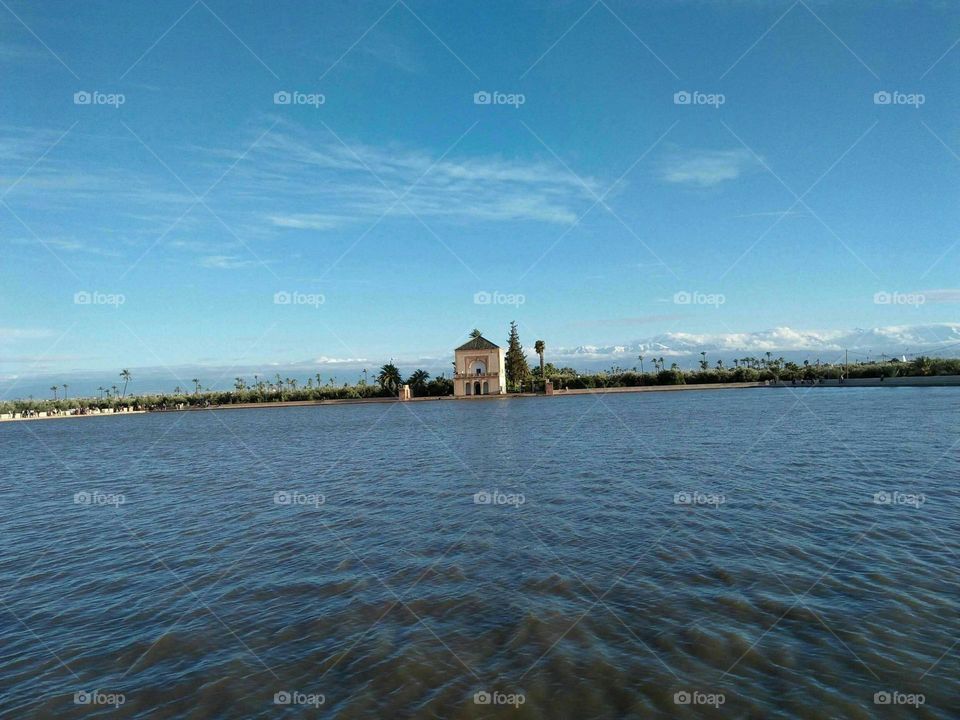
(393, 50)
(11, 334)
(225, 262)
(19, 53)
(69, 245)
(308, 221)
(773, 213)
(947, 296)
(705, 168)
(892, 340)
(325, 185)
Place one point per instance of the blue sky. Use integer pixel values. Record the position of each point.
(598, 201)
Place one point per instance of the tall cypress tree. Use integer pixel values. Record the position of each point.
(516, 361)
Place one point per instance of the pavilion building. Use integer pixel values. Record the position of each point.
(480, 369)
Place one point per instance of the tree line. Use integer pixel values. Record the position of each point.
(520, 378)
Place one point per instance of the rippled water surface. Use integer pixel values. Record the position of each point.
(383, 588)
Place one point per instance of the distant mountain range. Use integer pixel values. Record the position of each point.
(828, 345)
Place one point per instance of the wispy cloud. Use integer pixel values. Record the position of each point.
(309, 221)
(771, 213)
(343, 185)
(225, 262)
(292, 180)
(393, 50)
(943, 296)
(68, 245)
(706, 168)
(11, 52)
(10, 334)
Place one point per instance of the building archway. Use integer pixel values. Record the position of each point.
(476, 388)
(486, 388)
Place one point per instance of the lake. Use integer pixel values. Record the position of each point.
(774, 553)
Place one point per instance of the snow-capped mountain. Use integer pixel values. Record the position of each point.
(892, 341)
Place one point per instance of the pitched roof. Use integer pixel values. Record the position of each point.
(478, 343)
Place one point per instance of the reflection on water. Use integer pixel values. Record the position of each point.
(761, 553)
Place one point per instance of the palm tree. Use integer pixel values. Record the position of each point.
(538, 347)
(100, 390)
(703, 359)
(177, 390)
(418, 377)
(64, 391)
(239, 384)
(114, 388)
(126, 377)
(389, 378)
(418, 381)
(640, 358)
(196, 386)
(720, 364)
(922, 365)
(54, 389)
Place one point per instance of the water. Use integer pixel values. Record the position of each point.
(395, 595)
